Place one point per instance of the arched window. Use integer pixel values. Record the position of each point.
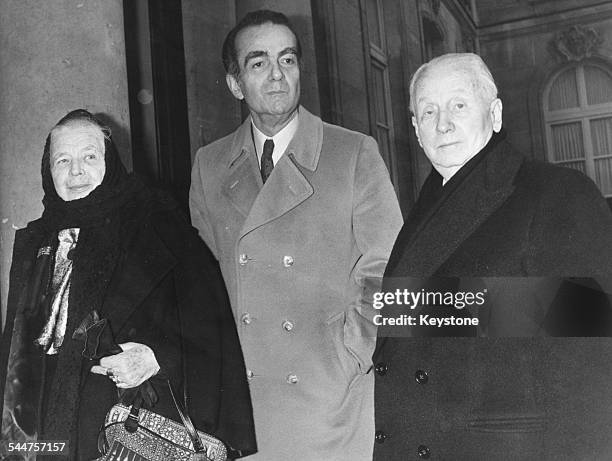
(578, 116)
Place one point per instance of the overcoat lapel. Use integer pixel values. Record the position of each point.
(457, 215)
(288, 185)
(146, 264)
(243, 180)
(285, 189)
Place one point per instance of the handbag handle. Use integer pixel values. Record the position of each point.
(131, 423)
(198, 447)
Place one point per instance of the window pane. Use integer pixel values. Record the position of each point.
(564, 91)
(580, 166)
(598, 85)
(567, 141)
(373, 22)
(601, 133)
(603, 175)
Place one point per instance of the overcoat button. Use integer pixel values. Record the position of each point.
(380, 436)
(246, 318)
(288, 261)
(421, 376)
(288, 325)
(381, 368)
(423, 451)
(292, 379)
(243, 259)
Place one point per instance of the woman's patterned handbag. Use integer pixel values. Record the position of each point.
(137, 434)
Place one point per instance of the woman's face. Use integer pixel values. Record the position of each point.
(77, 159)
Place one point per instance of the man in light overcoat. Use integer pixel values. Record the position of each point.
(300, 214)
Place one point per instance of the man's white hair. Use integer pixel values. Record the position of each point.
(470, 63)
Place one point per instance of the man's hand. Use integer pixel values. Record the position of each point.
(130, 368)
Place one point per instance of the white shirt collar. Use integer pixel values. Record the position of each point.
(281, 139)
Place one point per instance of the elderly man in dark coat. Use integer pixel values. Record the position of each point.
(485, 211)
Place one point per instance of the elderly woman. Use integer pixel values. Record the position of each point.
(111, 253)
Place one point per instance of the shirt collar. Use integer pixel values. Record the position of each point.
(281, 139)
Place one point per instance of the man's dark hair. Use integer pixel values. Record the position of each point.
(254, 18)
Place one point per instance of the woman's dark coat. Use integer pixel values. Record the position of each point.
(503, 398)
(166, 292)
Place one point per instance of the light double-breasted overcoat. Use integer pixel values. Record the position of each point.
(294, 254)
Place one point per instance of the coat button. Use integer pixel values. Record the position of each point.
(292, 379)
(421, 376)
(288, 261)
(423, 451)
(250, 374)
(381, 368)
(380, 436)
(246, 318)
(288, 325)
(243, 259)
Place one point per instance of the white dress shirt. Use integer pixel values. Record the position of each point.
(281, 139)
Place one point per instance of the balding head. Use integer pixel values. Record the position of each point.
(476, 71)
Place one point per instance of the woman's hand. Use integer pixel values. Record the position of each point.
(130, 368)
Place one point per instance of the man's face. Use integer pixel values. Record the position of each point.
(452, 121)
(77, 160)
(269, 79)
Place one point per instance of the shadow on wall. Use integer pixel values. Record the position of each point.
(121, 137)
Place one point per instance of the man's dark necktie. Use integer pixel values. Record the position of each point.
(266, 159)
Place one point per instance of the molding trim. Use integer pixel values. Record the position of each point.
(556, 21)
(157, 92)
(326, 55)
(464, 19)
(576, 43)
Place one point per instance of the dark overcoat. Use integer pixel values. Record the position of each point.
(503, 398)
(166, 292)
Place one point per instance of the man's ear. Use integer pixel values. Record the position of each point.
(495, 109)
(416, 129)
(234, 85)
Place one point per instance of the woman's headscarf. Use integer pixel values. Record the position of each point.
(109, 195)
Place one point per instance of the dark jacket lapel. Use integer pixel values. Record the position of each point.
(459, 212)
